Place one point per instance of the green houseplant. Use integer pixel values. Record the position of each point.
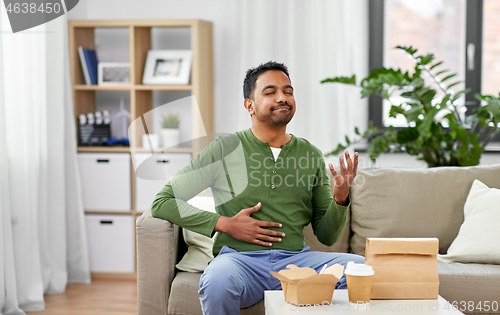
(438, 130)
(170, 134)
(171, 121)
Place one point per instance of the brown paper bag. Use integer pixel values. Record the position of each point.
(405, 268)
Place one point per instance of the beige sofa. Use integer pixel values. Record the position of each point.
(385, 203)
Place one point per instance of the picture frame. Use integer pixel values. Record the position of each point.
(113, 73)
(168, 67)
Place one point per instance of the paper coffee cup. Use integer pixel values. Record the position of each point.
(359, 282)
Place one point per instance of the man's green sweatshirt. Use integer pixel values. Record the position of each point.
(241, 171)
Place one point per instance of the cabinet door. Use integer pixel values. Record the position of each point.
(105, 181)
(111, 242)
(154, 174)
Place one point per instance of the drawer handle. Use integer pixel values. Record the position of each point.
(102, 161)
(162, 161)
(106, 222)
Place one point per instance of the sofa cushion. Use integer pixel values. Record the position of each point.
(199, 252)
(478, 240)
(470, 282)
(340, 246)
(184, 297)
(413, 202)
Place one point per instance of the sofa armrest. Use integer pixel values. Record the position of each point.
(157, 244)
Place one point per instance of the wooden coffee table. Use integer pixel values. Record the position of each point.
(274, 302)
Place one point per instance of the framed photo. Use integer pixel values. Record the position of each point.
(168, 67)
(113, 73)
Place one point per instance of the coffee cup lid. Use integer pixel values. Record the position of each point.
(354, 269)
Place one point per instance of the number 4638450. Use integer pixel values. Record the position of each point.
(472, 306)
(34, 8)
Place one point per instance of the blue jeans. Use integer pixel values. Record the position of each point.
(235, 280)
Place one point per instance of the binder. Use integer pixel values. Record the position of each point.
(84, 65)
(88, 60)
(91, 60)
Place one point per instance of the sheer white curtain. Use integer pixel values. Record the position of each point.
(316, 39)
(42, 241)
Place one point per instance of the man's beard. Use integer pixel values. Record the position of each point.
(279, 118)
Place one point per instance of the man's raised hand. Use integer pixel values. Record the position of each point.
(248, 229)
(343, 181)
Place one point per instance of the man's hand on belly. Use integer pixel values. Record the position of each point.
(247, 229)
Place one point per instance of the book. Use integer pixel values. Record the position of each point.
(91, 61)
(84, 65)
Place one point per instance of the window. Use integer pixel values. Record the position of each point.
(491, 48)
(450, 29)
(432, 26)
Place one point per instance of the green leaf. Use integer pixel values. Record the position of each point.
(385, 94)
(457, 96)
(444, 100)
(408, 50)
(435, 65)
(412, 114)
(493, 109)
(395, 110)
(490, 99)
(344, 80)
(475, 152)
(452, 120)
(340, 148)
(381, 144)
(426, 97)
(424, 60)
(481, 97)
(407, 135)
(418, 83)
(449, 77)
(356, 131)
(453, 84)
(382, 79)
(440, 72)
(425, 126)
(371, 130)
(347, 140)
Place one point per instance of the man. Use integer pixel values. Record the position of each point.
(267, 185)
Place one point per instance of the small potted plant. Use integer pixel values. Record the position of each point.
(170, 134)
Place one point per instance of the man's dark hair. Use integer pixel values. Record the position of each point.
(253, 74)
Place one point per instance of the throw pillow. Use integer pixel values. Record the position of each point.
(479, 236)
(199, 252)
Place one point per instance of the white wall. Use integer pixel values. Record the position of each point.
(228, 81)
